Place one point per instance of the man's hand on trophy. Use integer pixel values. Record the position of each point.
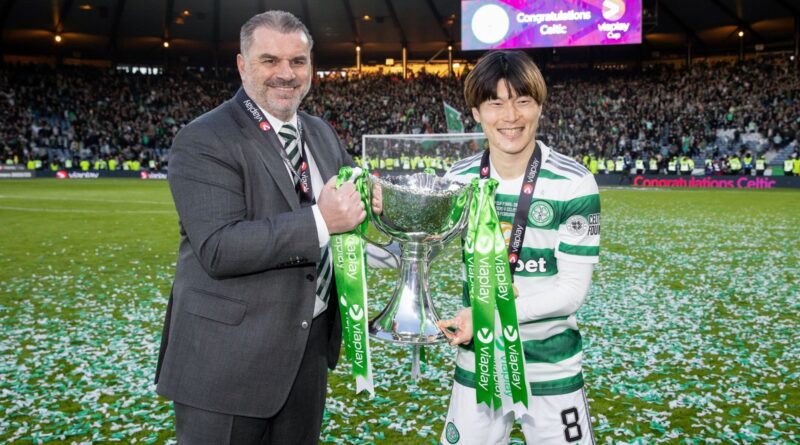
(459, 328)
(377, 198)
(341, 208)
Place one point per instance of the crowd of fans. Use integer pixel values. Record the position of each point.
(61, 117)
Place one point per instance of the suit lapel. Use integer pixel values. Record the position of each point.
(267, 151)
(319, 149)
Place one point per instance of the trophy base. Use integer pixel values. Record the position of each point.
(413, 339)
(410, 317)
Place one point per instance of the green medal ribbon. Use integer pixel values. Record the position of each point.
(348, 251)
(490, 289)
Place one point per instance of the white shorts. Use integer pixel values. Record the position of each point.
(556, 419)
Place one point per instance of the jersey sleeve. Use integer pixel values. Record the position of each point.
(579, 224)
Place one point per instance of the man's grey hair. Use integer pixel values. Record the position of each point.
(281, 21)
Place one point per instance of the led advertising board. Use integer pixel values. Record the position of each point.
(549, 23)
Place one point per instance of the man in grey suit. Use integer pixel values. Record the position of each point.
(251, 326)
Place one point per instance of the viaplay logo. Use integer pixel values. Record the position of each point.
(152, 175)
(264, 126)
(356, 313)
(513, 258)
(613, 9)
(510, 333)
(62, 174)
(485, 336)
(527, 189)
(485, 171)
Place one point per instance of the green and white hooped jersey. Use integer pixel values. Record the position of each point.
(563, 225)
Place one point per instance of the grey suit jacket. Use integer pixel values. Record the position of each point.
(243, 296)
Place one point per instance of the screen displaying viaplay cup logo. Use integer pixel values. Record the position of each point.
(510, 24)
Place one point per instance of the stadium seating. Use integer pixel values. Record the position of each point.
(65, 115)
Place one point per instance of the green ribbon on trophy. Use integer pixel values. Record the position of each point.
(490, 292)
(348, 251)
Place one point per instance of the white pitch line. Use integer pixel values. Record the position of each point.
(49, 210)
(119, 201)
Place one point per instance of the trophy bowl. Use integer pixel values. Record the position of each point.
(419, 211)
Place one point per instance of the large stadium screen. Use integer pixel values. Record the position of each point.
(549, 23)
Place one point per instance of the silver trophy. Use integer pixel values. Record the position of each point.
(420, 211)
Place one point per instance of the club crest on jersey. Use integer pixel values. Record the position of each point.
(451, 433)
(577, 225)
(264, 126)
(541, 214)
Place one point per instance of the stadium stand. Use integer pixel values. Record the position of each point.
(90, 118)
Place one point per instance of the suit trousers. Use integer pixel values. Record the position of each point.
(297, 422)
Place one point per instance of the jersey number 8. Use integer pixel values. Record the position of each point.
(572, 430)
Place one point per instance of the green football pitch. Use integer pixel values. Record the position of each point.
(690, 331)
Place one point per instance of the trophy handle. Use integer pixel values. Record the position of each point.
(462, 222)
(381, 245)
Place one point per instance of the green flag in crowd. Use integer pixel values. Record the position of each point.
(453, 116)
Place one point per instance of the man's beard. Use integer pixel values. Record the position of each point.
(295, 100)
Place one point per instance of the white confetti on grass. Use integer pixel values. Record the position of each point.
(689, 332)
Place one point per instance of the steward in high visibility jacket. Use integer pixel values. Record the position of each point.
(747, 167)
(652, 165)
(761, 165)
(85, 165)
(639, 166)
(601, 165)
(672, 166)
(593, 165)
(788, 165)
(735, 165)
(609, 166)
(684, 165)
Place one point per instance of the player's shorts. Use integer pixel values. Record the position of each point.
(556, 419)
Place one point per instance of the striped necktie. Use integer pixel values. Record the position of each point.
(289, 135)
(290, 143)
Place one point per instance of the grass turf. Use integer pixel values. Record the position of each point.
(689, 329)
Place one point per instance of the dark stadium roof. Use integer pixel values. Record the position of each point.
(133, 30)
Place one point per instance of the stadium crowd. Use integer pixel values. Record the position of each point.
(90, 118)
